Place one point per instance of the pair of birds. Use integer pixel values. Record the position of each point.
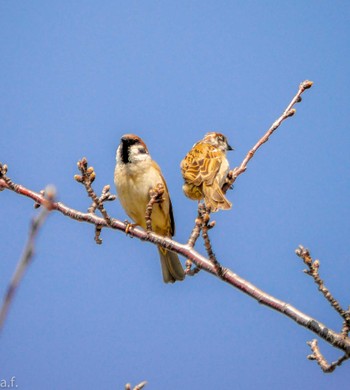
(204, 170)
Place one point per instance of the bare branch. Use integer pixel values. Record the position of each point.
(156, 196)
(197, 228)
(210, 264)
(137, 387)
(288, 112)
(330, 336)
(87, 177)
(206, 226)
(321, 361)
(27, 255)
(313, 267)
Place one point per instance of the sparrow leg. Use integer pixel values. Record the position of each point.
(129, 226)
(227, 185)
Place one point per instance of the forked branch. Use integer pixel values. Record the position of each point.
(210, 264)
(288, 112)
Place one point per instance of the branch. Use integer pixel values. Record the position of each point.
(313, 272)
(156, 196)
(321, 361)
(27, 255)
(313, 268)
(200, 261)
(87, 177)
(288, 112)
(137, 387)
(211, 265)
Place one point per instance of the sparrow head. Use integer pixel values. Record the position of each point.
(132, 149)
(218, 140)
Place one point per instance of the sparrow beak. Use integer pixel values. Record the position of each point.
(229, 147)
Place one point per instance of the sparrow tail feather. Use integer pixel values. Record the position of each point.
(171, 267)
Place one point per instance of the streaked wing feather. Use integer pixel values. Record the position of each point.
(197, 169)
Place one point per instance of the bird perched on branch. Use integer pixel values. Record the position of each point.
(135, 175)
(205, 169)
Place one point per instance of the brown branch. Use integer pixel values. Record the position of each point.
(27, 255)
(87, 177)
(156, 196)
(321, 361)
(338, 340)
(206, 226)
(288, 112)
(195, 232)
(201, 225)
(315, 326)
(137, 387)
(313, 267)
(106, 196)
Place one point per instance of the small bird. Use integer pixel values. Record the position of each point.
(134, 176)
(205, 169)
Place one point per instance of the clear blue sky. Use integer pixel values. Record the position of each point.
(74, 77)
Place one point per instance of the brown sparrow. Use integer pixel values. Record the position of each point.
(134, 176)
(205, 169)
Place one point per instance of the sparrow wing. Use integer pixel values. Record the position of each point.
(201, 164)
(172, 221)
(170, 229)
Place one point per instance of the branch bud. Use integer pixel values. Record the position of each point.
(92, 176)
(306, 84)
(3, 169)
(78, 178)
(316, 264)
(291, 112)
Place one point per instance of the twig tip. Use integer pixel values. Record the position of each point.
(306, 84)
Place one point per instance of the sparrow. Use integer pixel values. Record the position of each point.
(205, 169)
(134, 176)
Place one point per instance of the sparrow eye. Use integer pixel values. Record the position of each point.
(142, 150)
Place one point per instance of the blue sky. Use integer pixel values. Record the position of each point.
(76, 76)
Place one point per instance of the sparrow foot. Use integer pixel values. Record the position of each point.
(129, 226)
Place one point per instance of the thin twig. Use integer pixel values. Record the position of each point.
(206, 226)
(156, 196)
(106, 196)
(87, 177)
(196, 231)
(189, 271)
(313, 268)
(346, 326)
(27, 255)
(137, 387)
(320, 359)
(288, 112)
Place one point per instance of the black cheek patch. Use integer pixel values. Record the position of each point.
(125, 154)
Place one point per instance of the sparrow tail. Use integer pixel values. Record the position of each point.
(171, 267)
(215, 198)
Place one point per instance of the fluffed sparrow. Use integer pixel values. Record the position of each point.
(205, 169)
(134, 176)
